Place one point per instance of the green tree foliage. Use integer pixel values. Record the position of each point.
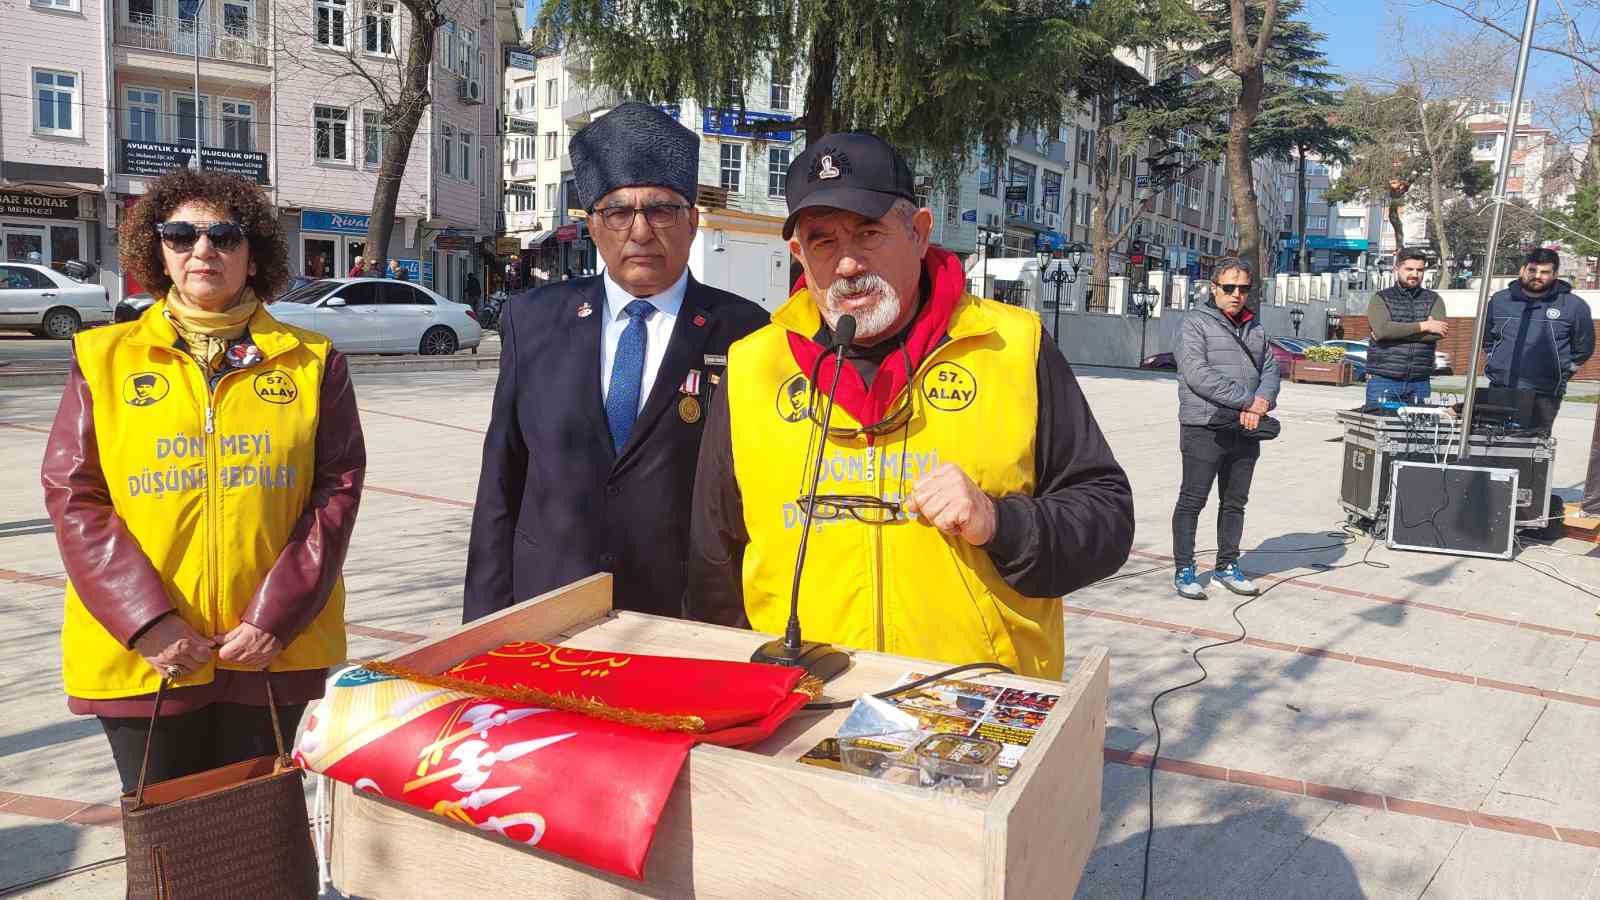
(1466, 230)
(1244, 54)
(1581, 221)
(937, 78)
(1412, 151)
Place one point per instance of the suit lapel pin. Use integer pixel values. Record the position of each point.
(699, 321)
(585, 310)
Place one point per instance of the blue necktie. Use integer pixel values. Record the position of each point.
(627, 374)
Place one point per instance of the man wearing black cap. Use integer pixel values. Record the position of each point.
(965, 486)
(589, 461)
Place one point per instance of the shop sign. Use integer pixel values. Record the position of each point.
(726, 121)
(37, 206)
(566, 234)
(338, 223)
(144, 158)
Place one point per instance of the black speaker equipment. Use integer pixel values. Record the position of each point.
(1454, 509)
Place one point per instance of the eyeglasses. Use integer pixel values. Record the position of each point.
(656, 215)
(180, 236)
(1234, 288)
(861, 507)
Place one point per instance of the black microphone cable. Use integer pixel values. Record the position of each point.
(1347, 538)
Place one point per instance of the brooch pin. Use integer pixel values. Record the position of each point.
(584, 310)
(243, 356)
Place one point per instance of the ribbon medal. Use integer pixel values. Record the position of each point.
(689, 404)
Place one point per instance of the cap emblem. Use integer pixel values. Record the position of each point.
(829, 166)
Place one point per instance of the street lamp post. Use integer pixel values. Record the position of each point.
(1296, 316)
(1334, 321)
(1143, 302)
(1059, 276)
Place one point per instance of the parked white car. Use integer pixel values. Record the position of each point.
(49, 303)
(380, 315)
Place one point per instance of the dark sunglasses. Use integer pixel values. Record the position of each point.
(1234, 288)
(180, 236)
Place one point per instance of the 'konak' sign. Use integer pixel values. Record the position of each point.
(37, 206)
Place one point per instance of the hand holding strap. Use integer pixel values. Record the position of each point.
(155, 717)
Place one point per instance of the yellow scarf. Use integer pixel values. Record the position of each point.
(208, 333)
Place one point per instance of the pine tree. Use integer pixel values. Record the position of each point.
(1243, 49)
(936, 78)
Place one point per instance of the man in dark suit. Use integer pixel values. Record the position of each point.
(590, 458)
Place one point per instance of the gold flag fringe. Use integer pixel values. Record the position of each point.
(588, 706)
(811, 686)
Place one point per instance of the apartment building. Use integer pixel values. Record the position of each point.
(54, 124)
(1339, 236)
(286, 98)
(742, 181)
(534, 144)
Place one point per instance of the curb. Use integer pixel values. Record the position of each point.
(360, 365)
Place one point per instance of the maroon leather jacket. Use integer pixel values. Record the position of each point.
(121, 588)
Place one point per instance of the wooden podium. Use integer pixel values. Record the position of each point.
(756, 823)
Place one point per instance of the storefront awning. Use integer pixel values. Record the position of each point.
(535, 240)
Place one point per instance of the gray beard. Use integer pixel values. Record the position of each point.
(872, 322)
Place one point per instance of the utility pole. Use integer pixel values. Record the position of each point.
(194, 161)
(1494, 224)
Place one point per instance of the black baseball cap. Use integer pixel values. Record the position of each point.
(852, 171)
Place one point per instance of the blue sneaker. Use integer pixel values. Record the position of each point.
(1187, 584)
(1232, 578)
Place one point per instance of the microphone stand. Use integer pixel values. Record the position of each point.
(818, 659)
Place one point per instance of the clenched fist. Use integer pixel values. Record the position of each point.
(951, 502)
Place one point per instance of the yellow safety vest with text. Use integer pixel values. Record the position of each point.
(210, 480)
(901, 587)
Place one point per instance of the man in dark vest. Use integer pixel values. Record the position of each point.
(589, 462)
(1407, 320)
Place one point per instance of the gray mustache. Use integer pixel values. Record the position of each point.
(861, 284)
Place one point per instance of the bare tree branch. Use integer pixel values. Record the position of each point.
(1491, 24)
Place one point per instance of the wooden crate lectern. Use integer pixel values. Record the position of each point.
(757, 823)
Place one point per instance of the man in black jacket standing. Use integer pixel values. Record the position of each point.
(1539, 333)
(589, 462)
(1407, 320)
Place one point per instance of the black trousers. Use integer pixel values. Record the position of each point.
(206, 738)
(1230, 461)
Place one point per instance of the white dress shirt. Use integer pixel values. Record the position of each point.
(657, 330)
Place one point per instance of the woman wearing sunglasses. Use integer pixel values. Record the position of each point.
(203, 475)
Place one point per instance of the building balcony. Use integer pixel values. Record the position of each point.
(584, 104)
(521, 169)
(238, 43)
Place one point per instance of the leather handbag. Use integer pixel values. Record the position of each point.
(236, 831)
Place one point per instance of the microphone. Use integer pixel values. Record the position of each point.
(818, 659)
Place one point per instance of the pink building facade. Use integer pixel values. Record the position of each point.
(291, 95)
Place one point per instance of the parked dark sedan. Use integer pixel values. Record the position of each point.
(1159, 361)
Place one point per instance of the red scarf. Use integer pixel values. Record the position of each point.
(947, 283)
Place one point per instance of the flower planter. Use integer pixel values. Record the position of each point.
(1335, 373)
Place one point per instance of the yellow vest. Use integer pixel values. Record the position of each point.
(902, 587)
(210, 482)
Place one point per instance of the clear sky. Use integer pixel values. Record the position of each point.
(1362, 37)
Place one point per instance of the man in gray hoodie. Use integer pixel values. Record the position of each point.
(1227, 380)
